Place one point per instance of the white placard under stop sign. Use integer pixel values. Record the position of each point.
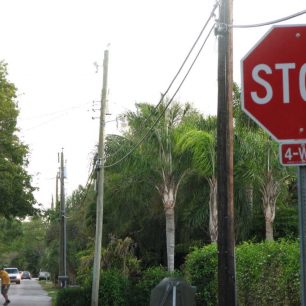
(292, 154)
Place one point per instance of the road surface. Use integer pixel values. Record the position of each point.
(28, 293)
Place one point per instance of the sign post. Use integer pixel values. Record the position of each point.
(273, 75)
(302, 223)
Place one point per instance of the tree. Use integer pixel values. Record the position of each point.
(261, 168)
(157, 161)
(16, 191)
(202, 146)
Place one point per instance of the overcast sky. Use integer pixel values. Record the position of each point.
(51, 47)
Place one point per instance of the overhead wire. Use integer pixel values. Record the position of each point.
(189, 53)
(53, 116)
(86, 188)
(268, 22)
(166, 107)
(88, 183)
(59, 111)
(170, 101)
(90, 178)
(211, 15)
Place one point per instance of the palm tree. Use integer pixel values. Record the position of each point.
(156, 159)
(260, 165)
(202, 146)
(260, 168)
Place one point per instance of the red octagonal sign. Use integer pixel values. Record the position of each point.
(274, 83)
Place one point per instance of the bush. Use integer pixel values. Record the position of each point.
(141, 288)
(74, 297)
(113, 291)
(201, 271)
(267, 273)
(113, 288)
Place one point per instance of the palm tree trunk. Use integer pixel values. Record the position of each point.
(168, 194)
(213, 210)
(270, 192)
(170, 237)
(269, 230)
(249, 191)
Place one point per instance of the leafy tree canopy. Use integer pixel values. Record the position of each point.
(16, 191)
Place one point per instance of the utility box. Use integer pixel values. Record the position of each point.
(63, 280)
(173, 291)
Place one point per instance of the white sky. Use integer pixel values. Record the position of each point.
(50, 48)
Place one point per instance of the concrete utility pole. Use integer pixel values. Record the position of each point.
(56, 190)
(226, 236)
(100, 189)
(62, 266)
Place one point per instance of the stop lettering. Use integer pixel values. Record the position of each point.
(274, 83)
(285, 69)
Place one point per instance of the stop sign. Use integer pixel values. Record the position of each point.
(273, 75)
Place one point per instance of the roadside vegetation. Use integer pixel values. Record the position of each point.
(160, 210)
(52, 290)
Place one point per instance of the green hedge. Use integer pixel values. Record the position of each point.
(113, 288)
(116, 289)
(141, 287)
(201, 271)
(267, 273)
(113, 291)
(73, 297)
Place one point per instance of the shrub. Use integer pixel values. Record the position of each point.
(201, 271)
(73, 297)
(113, 291)
(113, 288)
(141, 289)
(267, 273)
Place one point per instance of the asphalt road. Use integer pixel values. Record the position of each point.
(28, 293)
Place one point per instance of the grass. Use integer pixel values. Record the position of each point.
(52, 290)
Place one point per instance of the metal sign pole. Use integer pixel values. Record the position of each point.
(174, 296)
(302, 226)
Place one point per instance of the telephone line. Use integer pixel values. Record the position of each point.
(268, 22)
(60, 111)
(163, 112)
(184, 61)
(212, 14)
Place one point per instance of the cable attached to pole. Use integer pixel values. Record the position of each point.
(166, 107)
(268, 22)
(212, 14)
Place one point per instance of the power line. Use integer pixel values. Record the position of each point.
(55, 116)
(44, 122)
(268, 22)
(64, 110)
(188, 55)
(89, 179)
(212, 14)
(168, 104)
(87, 186)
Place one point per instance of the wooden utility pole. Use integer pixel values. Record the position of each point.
(62, 267)
(226, 236)
(100, 189)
